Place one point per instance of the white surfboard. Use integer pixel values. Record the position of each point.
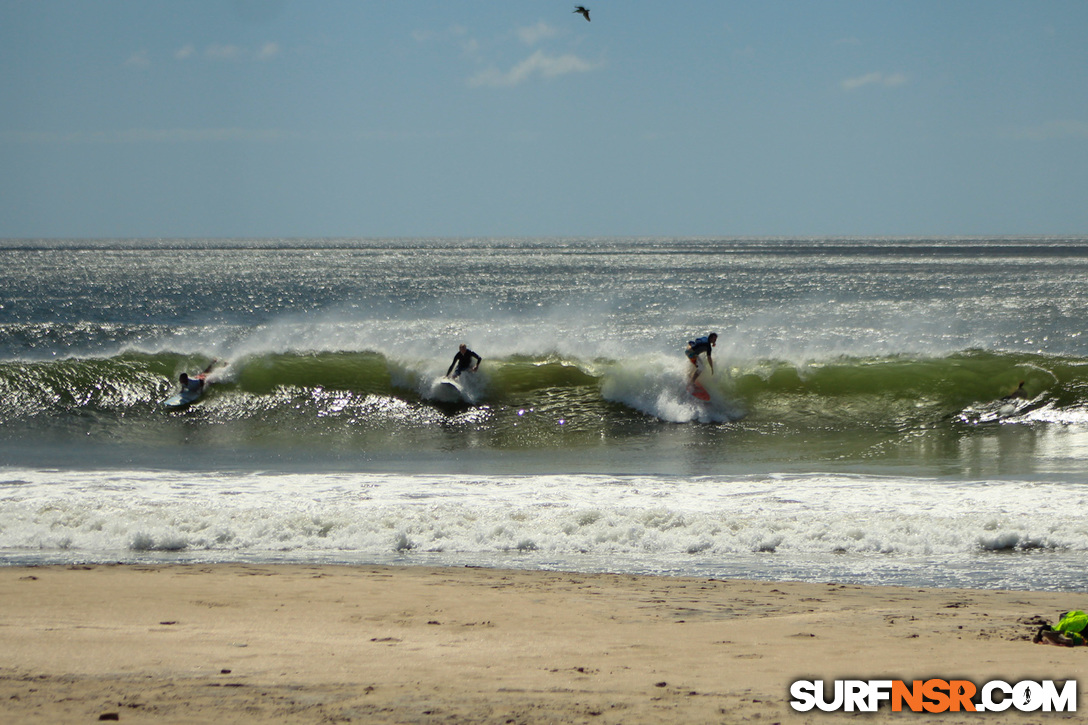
(448, 391)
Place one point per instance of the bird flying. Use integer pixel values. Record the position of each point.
(583, 11)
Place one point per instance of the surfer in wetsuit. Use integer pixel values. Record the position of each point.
(195, 383)
(463, 361)
(697, 347)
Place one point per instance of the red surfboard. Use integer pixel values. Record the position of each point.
(697, 390)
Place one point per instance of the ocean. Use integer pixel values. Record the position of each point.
(856, 430)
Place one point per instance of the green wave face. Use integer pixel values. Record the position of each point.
(520, 413)
(847, 392)
(902, 391)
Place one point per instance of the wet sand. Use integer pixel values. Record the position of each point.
(367, 644)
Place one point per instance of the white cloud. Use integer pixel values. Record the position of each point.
(884, 80)
(457, 34)
(147, 135)
(470, 46)
(535, 33)
(538, 64)
(229, 52)
(428, 36)
(139, 59)
(1050, 131)
(199, 135)
(223, 52)
(268, 51)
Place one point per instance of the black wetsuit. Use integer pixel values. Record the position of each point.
(463, 361)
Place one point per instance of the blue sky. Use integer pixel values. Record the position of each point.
(275, 118)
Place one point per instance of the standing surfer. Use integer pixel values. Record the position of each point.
(697, 347)
(463, 361)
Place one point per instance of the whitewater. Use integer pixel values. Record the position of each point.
(857, 429)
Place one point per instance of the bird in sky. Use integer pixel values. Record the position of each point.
(583, 11)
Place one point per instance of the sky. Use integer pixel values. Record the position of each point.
(497, 118)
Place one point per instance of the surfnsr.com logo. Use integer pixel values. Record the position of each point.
(934, 695)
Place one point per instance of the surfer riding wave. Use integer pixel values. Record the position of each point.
(462, 361)
(195, 383)
(697, 347)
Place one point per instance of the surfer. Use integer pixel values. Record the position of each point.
(697, 347)
(463, 361)
(195, 383)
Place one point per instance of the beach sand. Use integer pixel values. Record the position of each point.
(326, 644)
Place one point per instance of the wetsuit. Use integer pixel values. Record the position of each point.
(697, 347)
(463, 361)
(194, 383)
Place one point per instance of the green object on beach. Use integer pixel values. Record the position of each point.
(1072, 625)
(1073, 622)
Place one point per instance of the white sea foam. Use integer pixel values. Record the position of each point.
(657, 386)
(688, 525)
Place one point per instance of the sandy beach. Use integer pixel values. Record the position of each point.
(321, 644)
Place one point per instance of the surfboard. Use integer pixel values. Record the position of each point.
(698, 391)
(1000, 411)
(448, 391)
(187, 397)
(183, 398)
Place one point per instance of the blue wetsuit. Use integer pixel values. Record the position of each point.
(697, 347)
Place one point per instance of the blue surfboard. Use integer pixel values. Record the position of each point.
(183, 399)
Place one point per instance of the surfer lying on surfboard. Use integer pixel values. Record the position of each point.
(462, 361)
(697, 347)
(192, 388)
(195, 383)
